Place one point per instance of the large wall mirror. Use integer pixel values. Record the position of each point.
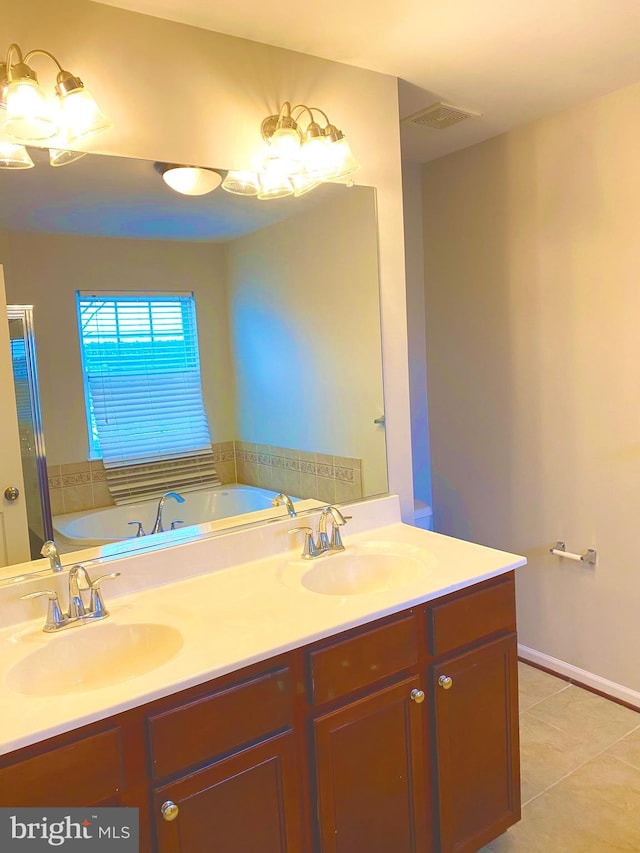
(288, 327)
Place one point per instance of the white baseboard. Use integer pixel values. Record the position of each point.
(574, 673)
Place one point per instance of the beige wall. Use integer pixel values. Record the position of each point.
(305, 331)
(533, 351)
(177, 93)
(46, 270)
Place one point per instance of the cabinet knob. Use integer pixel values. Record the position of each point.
(11, 493)
(446, 682)
(169, 810)
(417, 696)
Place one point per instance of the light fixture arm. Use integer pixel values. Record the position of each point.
(13, 48)
(39, 52)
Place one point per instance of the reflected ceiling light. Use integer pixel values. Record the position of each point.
(31, 116)
(14, 156)
(189, 180)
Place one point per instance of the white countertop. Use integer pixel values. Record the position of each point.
(232, 617)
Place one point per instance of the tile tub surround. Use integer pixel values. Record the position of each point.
(235, 600)
(580, 765)
(79, 486)
(333, 479)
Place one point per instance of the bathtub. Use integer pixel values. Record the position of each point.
(208, 509)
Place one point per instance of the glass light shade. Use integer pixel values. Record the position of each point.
(273, 185)
(240, 182)
(62, 157)
(346, 164)
(192, 180)
(303, 184)
(14, 156)
(81, 115)
(285, 155)
(29, 115)
(319, 159)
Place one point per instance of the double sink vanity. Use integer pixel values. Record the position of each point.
(244, 699)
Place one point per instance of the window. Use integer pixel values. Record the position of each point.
(142, 377)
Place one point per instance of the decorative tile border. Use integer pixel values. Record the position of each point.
(299, 473)
(81, 485)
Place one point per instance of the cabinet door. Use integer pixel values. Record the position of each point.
(370, 774)
(476, 744)
(247, 803)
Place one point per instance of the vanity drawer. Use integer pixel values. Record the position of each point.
(354, 663)
(86, 772)
(221, 722)
(466, 617)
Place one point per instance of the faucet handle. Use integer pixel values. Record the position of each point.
(309, 549)
(96, 602)
(55, 617)
(139, 531)
(177, 521)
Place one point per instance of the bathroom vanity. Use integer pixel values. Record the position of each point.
(386, 722)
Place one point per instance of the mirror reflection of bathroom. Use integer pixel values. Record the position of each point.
(32, 449)
(261, 319)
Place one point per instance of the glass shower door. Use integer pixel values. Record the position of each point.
(32, 450)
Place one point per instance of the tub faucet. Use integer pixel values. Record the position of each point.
(281, 499)
(50, 550)
(157, 524)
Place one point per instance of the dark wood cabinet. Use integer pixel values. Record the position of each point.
(351, 743)
(476, 745)
(370, 774)
(247, 802)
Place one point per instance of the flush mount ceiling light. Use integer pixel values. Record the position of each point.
(301, 153)
(189, 180)
(31, 116)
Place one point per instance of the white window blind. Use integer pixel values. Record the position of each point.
(142, 376)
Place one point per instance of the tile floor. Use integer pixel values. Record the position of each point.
(580, 768)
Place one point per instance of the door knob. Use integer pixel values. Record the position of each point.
(417, 696)
(12, 493)
(446, 682)
(169, 810)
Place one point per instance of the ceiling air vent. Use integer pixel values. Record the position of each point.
(439, 116)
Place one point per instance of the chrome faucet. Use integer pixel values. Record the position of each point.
(322, 544)
(50, 550)
(157, 524)
(285, 500)
(338, 520)
(78, 613)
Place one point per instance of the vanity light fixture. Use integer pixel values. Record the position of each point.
(14, 156)
(301, 154)
(62, 156)
(189, 180)
(31, 116)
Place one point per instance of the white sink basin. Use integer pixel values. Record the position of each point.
(359, 573)
(88, 657)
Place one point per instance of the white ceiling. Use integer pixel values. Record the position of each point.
(511, 60)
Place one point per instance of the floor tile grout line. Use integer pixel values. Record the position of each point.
(550, 696)
(580, 766)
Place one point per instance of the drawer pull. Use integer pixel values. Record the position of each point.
(446, 682)
(169, 810)
(417, 696)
